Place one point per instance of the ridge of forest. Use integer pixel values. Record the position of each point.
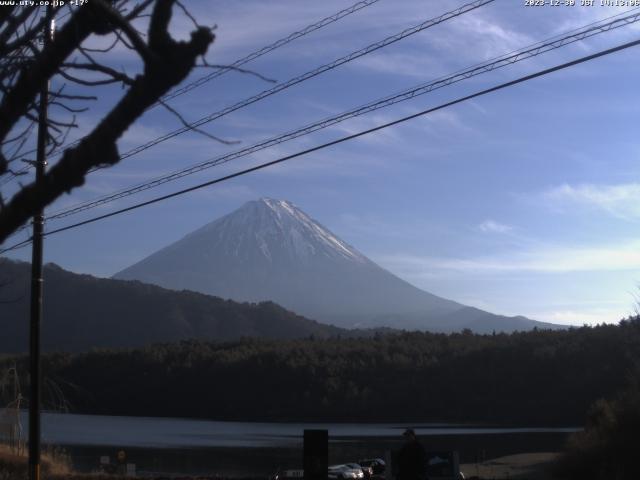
(537, 378)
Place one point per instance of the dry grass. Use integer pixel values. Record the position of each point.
(14, 467)
(529, 466)
(55, 466)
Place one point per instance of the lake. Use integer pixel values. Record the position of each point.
(174, 445)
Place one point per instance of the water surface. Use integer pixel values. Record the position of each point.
(86, 430)
(203, 447)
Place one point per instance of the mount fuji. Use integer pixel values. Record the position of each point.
(271, 250)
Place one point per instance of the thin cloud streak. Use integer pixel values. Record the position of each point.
(491, 226)
(562, 259)
(621, 200)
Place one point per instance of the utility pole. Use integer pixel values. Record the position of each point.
(36, 273)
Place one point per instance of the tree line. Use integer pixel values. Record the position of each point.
(541, 377)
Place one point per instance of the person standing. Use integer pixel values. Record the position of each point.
(412, 458)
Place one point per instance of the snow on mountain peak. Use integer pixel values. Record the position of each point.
(304, 232)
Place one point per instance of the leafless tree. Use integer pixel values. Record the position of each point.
(74, 60)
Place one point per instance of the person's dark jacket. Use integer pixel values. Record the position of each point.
(412, 461)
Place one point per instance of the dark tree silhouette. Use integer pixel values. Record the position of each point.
(538, 378)
(25, 63)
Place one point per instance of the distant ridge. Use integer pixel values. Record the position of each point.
(83, 312)
(271, 250)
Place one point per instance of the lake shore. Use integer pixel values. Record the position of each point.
(239, 461)
(529, 466)
(186, 447)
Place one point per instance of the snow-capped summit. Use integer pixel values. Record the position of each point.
(270, 221)
(271, 250)
(265, 231)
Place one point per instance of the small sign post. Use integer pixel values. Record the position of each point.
(316, 454)
(388, 469)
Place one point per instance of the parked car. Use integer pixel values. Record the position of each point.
(288, 475)
(368, 471)
(344, 472)
(377, 465)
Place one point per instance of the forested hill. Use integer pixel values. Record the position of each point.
(536, 378)
(82, 312)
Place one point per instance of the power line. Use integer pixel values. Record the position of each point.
(311, 74)
(480, 93)
(16, 246)
(277, 44)
(505, 60)
(301, 78)
(345, 59)
(13, 175)
(237, 63)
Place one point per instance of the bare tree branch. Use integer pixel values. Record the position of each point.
(95, 67)
(138, 10)
(236, 69)
(15, 103)
(195, 129)
(93, 83)
(13, 25)
(123, 24)
(166, 63)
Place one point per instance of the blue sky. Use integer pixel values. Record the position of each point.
(522, 202)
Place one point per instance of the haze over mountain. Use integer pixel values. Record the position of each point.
(271, 250)
(83, 312)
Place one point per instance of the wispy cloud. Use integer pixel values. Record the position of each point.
(584, 16)
(621, 201)
(482, 35)
(233, 192)
(582, 317)
(402, 63)
(490, 226)
(543, 259)
(355, 125)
